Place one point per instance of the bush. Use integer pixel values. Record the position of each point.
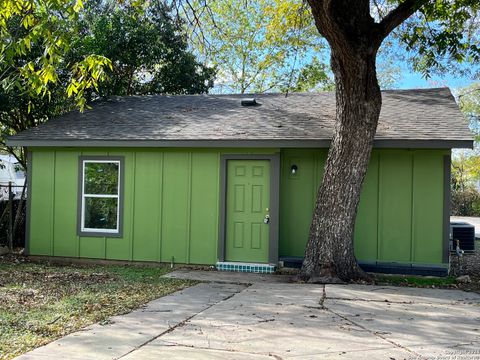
(19, 235)
(466, 202)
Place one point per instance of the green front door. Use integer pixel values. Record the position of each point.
(247, 211)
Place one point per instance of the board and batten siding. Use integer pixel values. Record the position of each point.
(400, 215)
(171, 205)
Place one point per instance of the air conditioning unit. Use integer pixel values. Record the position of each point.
(465, 233)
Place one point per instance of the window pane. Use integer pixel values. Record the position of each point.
(101, 213)
(101, 178)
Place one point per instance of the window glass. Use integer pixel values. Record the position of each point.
(100, 196)
(101, 213)
(101, 178)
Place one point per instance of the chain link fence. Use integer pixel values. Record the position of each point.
(12, 215)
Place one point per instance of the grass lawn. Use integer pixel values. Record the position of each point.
(40, 302)
(416, 281)
(427, 281)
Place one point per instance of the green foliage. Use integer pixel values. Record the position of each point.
(465, 202)
(147, 47)
(442, 35)
(106, 48)
(312, 77)
(465, 170)
(465, 198)
(20, 111)
(388, 71)
(35, 36)
(469, 101)
(256, 46)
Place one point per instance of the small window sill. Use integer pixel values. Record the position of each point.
(100, 234)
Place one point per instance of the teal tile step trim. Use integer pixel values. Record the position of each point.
(245, 267)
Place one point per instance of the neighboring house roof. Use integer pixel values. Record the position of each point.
(409, 118)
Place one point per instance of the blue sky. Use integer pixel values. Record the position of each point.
(411, 80)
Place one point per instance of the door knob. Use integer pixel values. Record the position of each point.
(266, 219)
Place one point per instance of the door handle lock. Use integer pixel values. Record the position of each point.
(266, 219)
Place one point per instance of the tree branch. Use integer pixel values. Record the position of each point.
(398, 15)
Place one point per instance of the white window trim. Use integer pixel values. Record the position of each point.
(117, 196)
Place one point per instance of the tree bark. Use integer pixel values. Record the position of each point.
(354, 38)
(329, 255)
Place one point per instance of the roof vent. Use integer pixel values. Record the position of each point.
(249, 102)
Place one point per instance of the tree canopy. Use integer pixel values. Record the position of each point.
(102, 48)
(35, 36)
(147, 46)
(257, 46)
(469, 101)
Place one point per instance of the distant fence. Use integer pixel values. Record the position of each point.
(12, 215)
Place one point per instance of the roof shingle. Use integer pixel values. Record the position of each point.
(424, 114)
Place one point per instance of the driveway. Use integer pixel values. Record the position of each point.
(248, 316)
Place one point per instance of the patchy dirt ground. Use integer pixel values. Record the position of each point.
(42, 302)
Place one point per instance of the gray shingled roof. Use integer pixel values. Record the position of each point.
(424, 114)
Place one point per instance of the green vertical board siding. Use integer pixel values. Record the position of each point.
(175, 208)
(92, 247)
(320, 159)
(171, 199)
(400, 212)
(297, 195)
(204, 213)
(120, 248)
(66, 178)
(42, 199)
(366, 243)
(428, 207)
(147, 202)
(395, 206)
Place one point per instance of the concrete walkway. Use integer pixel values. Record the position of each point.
(244, 316)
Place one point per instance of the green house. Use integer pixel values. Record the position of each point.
(221, 179)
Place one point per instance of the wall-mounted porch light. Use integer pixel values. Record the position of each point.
(293, 169)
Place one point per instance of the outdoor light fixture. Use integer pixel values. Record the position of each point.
(294, 169)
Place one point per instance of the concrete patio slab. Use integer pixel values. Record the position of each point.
(125, 333)
(425, 329)
(266, 317)
(284, 320)
(401, 294)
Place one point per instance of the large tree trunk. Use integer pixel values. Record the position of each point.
(354, 38)
(329, 255)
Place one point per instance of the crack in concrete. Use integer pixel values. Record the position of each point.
(276, 356)
(374, 333)
(323, 297)
(385, 301)
(178, 325)
(175, 344)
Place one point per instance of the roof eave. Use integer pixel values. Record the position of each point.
(238, 143)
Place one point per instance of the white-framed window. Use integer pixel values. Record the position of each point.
(100, 196)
